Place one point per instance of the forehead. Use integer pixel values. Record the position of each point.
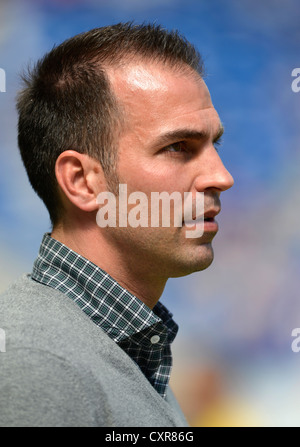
(156, 98)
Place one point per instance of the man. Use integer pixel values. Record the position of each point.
(87, 341)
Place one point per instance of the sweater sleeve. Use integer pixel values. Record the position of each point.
(40, 389)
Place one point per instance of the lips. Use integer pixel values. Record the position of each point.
(208, 216)
(207, 220)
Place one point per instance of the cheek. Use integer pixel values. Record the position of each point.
(148, 173)
(156, 178)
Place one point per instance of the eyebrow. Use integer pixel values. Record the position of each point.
(187, 134)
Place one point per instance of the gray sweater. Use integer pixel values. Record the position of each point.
(61, 370)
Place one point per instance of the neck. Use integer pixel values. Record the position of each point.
(133, 274)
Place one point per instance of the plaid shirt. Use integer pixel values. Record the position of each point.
(145, 335)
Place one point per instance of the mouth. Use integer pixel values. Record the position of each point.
(208, 216)
(206, 221)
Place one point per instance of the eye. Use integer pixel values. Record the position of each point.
(176, 147)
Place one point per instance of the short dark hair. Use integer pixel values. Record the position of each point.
(67, 102)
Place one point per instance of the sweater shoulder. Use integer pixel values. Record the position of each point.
(37, 316)
(44, 327)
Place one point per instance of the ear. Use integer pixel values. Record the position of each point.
(80, 178)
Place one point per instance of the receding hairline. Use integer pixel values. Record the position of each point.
(128, 61)
(179, 68)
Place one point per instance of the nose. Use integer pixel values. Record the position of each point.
(212, 173)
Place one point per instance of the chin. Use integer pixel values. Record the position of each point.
(195, 262)
(203, 264)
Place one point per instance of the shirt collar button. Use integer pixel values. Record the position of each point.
(155, 339)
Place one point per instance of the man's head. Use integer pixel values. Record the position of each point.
(124, 104)
(68, 102)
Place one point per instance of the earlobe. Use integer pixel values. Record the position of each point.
(76, 175)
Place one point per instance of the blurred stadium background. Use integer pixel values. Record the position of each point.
(233, 363)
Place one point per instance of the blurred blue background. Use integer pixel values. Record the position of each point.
(233, 363)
